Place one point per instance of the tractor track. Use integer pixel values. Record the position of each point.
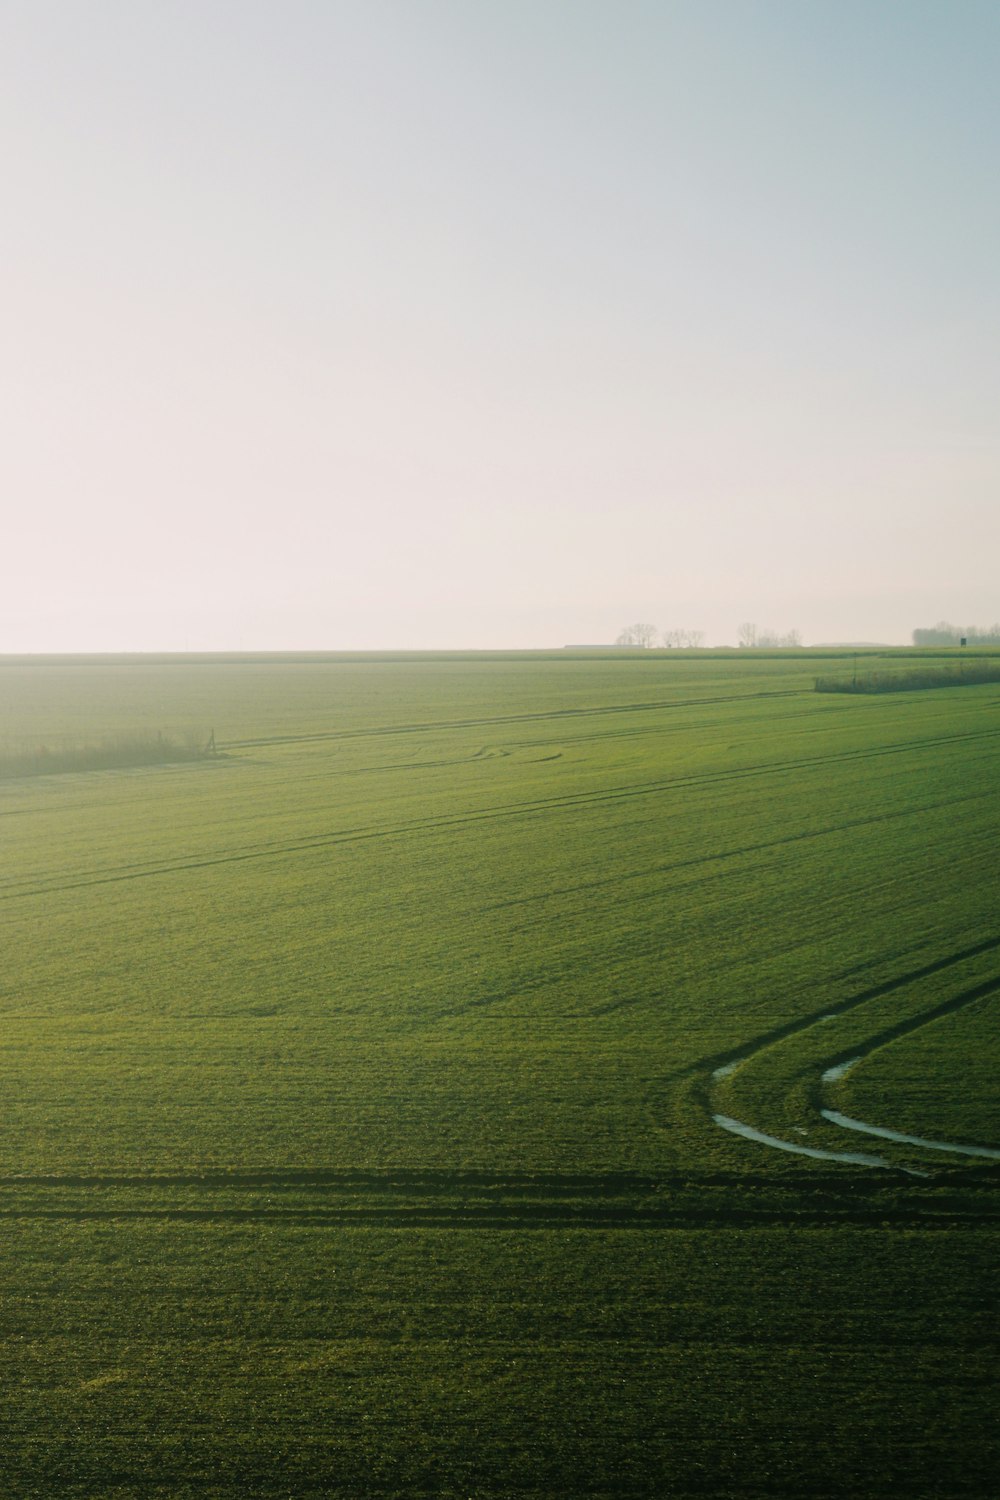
(833, 1067)
(563, 802)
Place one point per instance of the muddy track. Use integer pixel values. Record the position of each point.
(835, 1066)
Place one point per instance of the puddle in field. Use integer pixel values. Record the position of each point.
(725, 1070)
(839, 1070)
(885, 1134)
(749, 1133)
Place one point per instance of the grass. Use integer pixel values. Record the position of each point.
(301, 1361)
(358, 1084)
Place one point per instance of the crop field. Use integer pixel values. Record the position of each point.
(544, 1074)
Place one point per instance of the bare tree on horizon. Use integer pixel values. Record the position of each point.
(638, 635)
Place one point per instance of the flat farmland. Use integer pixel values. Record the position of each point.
(442, 1088)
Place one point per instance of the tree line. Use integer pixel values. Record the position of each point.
(748, 635)
(116, 753)
(963, 673)
(649, 635)
(946, 634)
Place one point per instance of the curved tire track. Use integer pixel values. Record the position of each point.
(837, 1070)
(833, 1068)
(846, 1122)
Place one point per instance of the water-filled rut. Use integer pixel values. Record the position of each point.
(833, 1069)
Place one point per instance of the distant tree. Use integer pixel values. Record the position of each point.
(683, 638)
(941, 634)
(749, 635)
(946, 634)
(638, 635)
(773, 638)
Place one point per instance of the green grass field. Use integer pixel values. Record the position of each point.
(361, 1085)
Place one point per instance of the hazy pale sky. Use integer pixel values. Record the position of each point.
(442, 323)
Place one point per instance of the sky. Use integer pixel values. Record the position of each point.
(432, 324)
